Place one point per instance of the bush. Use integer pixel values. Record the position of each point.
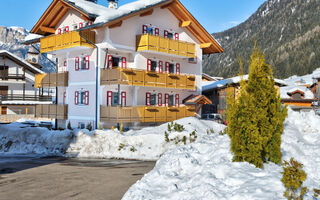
(316, 193)
(69, 126)
(293, 177)
(176, 127)
(121, 128)
(89, 126)
(224, 131)
(256, 117)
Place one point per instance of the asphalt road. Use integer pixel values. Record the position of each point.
(23, 178)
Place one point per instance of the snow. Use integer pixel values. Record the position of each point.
(108, 14)
(149, 143)
(289, 89)
(303, 80)
(32, 36)
(204, 169)
(234, 80)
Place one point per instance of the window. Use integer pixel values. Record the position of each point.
(75, 26)
(64, 65)
(84, 65)
(113, 98)
(149, 29)
(169, 67)
(153, 99)
(177, 68)
(171, 100)
(66, 29)
(81, 97)
(159, 99)
(192, 60)
(82, 125)
(153, 65)
(116, 61)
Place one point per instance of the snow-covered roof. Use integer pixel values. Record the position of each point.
(21, 60)
(26, 102)
(285, 91)
(303, 80)
(235, 80)
(105, 14)
(32, 36)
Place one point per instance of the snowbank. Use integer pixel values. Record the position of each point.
(146, 144)
(204, 169)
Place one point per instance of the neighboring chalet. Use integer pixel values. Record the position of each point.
(135, 64)
(18, 96)
(217, 91)
(297, 97)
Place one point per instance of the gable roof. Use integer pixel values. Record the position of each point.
(20, 61)
(196, 99)
(288, 91)
(103, 16)
(211, 85)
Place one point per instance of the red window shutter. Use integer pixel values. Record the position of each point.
(166, 33)
(87, 59)
(148, 98)
(159, 99)
(166, 99)
(59, 31)
(156, 31)
(177, 103)
(178, 68)
(144, 29)
(76, 98)
(167, 67)
(176, 36)
(67, 28)
(109, 98)
(149, 65)
(123, 98)
(109, 62)
(80, 25)
(160, 66)
(77, 64)
(124, 63)
(86, 98)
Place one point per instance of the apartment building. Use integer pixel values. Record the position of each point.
(18, 95)
(134, 64)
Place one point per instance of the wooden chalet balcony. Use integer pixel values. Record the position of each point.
(145, 114)
(51, 80)
(165, 45)
(137, 77)
(66, 40)
(21, 97)
(52, 111)
(4, 76)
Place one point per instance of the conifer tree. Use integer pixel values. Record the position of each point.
(255, 118)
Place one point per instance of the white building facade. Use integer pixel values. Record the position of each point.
(135, 68)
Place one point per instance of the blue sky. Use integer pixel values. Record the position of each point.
(214, 15)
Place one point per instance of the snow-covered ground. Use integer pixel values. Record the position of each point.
(146, 144)
(204, 169)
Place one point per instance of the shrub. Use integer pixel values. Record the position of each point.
(224, 131)
(193, 136)
(166, 136)
(121, 146)
(316, 193)
(69, 126)
(132, 149)
(89, 126)
(293, 177)
(256, 117)
(121, 128)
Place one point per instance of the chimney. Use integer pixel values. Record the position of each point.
(113, 4)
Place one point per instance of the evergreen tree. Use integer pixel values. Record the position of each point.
(255, 118)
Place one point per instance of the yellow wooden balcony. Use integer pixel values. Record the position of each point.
(51, 80)
(66, 40)
(52, 111)
(145, 114)
(165, 45)
(139, 77)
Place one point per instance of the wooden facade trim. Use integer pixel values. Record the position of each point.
(47, 29)
(149, 12)
(115, 25)
(185, 23)
(205, 45)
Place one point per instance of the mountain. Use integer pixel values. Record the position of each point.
(288, 31)
(10, 40)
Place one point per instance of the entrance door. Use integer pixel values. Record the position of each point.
(3, 110)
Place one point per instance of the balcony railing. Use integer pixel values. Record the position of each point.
(145, 114)
(138, 77)
(51, 80)
(66, 40)
(165, 45)
(6, 76)
(52, 111)
(21, 97)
